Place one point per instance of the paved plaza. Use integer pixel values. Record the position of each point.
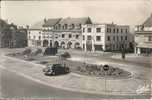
(138, 84)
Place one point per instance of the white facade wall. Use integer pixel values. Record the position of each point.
(112, 36)
(143, 40)
(93, 34)
(34, 36)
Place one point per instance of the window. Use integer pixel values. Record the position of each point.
(98, 30)
(83, 46)
(39, 37)
(109, 30)
(113, 30)
(72, 26)
(34, 37)
(38, 43)
(83, 30)
(121, 30)
(77, 36)
(126, 31)
(89, 30)
(113, 38)
(63, 35)
(98, 38)
(33, 42)
(149, 38)
(117, 30)
(59, 26)
(108, 38)
(89, 37)
(65, 26)
(125, 37)
(70, 35)
(80, 26)
(83, 37)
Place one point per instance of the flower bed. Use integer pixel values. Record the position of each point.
(99, 71)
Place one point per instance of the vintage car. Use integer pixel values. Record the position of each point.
(56, 69)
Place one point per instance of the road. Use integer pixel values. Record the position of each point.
(13, 85)
(16, 86)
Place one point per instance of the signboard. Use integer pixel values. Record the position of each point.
(106, 67)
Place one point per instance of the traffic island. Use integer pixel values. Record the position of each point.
(107, 71)
(83, 82)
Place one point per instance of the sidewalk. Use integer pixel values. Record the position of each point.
(72, 81)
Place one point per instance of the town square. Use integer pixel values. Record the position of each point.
(68, 55)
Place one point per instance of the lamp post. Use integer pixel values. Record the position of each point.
(123, 49)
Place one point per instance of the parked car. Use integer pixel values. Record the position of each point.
(56, 69)
(66, 55)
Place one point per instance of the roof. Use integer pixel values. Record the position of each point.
(82, 20)
(51, 22)
(148, 22)
(2, 21)
(37, 25)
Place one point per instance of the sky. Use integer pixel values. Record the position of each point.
(128, 12)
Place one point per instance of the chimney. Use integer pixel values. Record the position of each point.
(27, 26)
(45, 20)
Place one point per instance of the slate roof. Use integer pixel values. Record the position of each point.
(82, 20)
(37, 25)
(54, 21)
(148, 22)
(51, 22)
(2, 21)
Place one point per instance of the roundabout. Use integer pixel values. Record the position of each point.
(105, 71)
(132, 84)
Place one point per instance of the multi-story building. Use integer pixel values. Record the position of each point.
(48, 31)
(64, 33)
(105, 37)
(143, 37)
(34, 34)
(11, 36)
(79, 33)
(68, 32)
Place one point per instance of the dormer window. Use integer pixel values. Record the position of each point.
(59, 26)
(65, 26)
(73, 26)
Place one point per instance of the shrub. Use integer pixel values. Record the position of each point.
(65, 55)
(27, 51)
(38, 51)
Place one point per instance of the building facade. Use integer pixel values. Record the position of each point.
(143, 37)
(59, 32)
(105, 37)
(79, 33)
(34, 35)
(12, 36)
(68, 32)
